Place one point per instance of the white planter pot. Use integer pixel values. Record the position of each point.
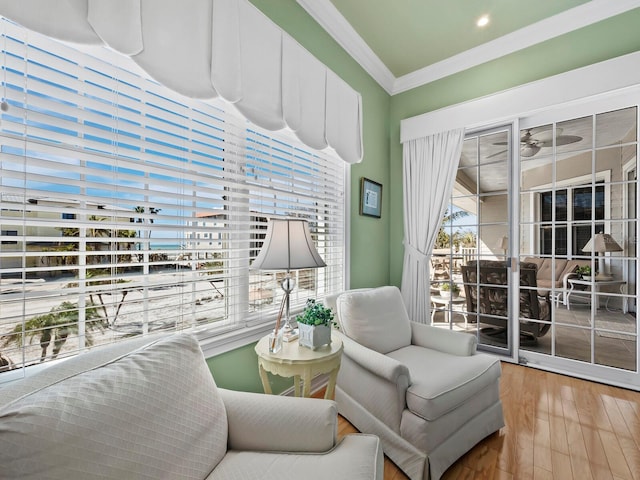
(447, 294)
(312, 336)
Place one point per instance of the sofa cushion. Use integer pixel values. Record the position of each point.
(375, 318)
(150, 413)
(572, 266)
(546, 276)
(441, 382)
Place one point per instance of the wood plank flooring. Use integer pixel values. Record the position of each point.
(557, 427)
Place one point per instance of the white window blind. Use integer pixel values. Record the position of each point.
(127, 208)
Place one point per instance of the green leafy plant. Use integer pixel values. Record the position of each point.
(315, 313)
(453, 287)
(584, 270)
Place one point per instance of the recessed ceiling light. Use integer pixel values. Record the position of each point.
(483, 21)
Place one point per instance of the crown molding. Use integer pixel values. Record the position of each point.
(619, 75)
(329, 18)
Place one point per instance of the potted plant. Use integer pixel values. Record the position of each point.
(449, 290)
(314, 325)
(584, 272)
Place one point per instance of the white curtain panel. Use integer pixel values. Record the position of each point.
(206, 48)
(429, 170)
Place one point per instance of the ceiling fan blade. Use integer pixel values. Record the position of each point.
(567, 139)
(497, 153)
(546, 135)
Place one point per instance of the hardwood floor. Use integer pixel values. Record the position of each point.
(557, 427)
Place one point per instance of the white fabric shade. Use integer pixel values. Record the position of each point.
(206, 48)
(288, 246)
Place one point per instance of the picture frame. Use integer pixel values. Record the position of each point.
(370, 198)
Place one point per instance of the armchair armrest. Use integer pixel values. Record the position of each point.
(388, 368)
(455, 343)
(261, 422)
(377, 382)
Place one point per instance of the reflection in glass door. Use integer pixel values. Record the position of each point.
(470, 275)
(578, 231)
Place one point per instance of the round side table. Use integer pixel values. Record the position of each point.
(448, 303)
(301, 363)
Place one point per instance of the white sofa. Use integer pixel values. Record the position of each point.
(151, 410)
(423, 390)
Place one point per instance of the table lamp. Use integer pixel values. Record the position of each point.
(288, 246)
(504, 244)
(602, 243)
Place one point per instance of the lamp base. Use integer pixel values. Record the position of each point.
(290, 335)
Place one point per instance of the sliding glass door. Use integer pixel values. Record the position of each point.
(473, 246)
(540, 239)
(578, 227)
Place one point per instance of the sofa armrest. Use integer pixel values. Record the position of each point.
(455, 343)
(262, 422)
(382, 366)
(565, 280)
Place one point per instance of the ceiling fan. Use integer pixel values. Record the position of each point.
(531, 143)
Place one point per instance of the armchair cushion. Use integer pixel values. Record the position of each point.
(437, 390)
(375, 318)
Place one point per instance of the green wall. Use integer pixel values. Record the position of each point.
(238, 370)
(604, 40)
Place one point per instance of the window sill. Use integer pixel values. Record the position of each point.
(211, 340)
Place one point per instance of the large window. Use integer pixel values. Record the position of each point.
(126, 208)
(569, 219)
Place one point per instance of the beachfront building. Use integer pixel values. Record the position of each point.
(47, 231)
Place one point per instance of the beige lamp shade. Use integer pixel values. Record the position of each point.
(601, 243)
(288, 246)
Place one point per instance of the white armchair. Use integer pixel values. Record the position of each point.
(149, 408)
(423, 390)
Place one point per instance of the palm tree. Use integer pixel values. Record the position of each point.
(152, 211)
(57, 325)
(444, 239)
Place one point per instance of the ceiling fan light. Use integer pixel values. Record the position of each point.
(529, 150)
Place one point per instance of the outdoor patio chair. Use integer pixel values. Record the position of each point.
(486, 290)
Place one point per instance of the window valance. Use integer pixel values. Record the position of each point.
(209, 48)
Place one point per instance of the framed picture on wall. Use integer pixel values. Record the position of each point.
(370, 198)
